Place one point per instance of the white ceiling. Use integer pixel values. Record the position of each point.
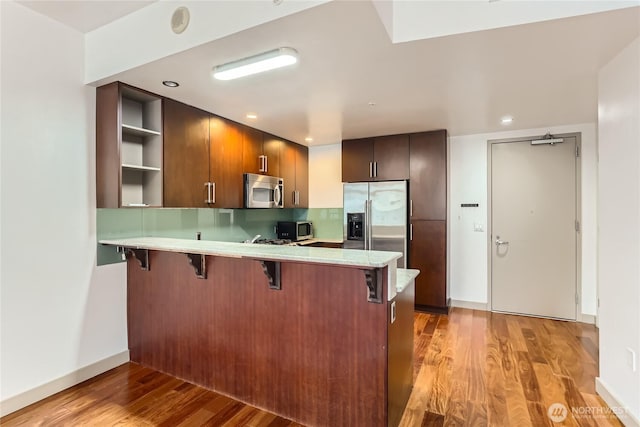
(543, 74)
(85, 16)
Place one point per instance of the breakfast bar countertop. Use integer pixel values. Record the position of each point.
(333, 256)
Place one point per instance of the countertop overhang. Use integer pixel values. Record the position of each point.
(331, 256)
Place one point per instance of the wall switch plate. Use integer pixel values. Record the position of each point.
(632, 359)
(478, 227)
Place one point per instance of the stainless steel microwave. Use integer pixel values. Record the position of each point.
(294, 230)
(262, 191)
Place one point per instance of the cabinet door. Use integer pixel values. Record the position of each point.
(271, 149)
(186, 155)
(357, 158)
(294, 169)
(225, 172)
(428, 253)
(428, 165)
(302, 176)
(251, 149)
(288, 172)
(391, 157)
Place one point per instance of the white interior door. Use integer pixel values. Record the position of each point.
(533, 227)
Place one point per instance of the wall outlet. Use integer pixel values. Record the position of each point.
(478, 227)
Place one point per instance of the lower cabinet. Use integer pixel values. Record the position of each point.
(428, 253)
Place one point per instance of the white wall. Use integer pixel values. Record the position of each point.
(468, 182)
(619, 228)
(325, 176)
(59, 312)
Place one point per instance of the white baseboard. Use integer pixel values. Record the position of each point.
(28, 397)
(587, 318)
(469, 304)
(627, 418)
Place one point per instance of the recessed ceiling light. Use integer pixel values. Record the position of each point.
(170, 83)
(372, 104)
(308, 139)
(265, 61)
(506, 120)
(252, 116)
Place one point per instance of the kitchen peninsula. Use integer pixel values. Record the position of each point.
(321, 336)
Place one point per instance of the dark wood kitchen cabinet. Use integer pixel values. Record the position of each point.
(428, 210)
(203, 159)
(225, 159)
(428, 253)
(128, 147)
(261, 152)
(428, 176)
(381, 158)
(294, 169)
(186, 155)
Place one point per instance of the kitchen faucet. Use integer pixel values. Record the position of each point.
(256, 237)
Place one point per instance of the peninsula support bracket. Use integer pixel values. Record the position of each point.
(272, 271)
(373, 280)
(142, 255)
(199, 264)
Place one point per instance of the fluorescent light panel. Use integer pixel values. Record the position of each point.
(266, 61)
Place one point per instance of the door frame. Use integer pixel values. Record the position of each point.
(578, 207)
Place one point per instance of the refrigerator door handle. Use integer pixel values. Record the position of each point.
(365, 228)
(370, 224)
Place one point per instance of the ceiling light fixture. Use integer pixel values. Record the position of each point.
(308, 139)
(170, 83)
(266, 61)
(252, 116)
(506, 120)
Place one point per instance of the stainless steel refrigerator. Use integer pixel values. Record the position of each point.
(375, 217)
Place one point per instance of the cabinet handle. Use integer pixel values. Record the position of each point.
(370, 169)
(208, 185)
(375, 169)
(411, 232)
(261, 159)
(410, 207)
(297, 195)
(293, 197)
(213, 192)
(266, 164)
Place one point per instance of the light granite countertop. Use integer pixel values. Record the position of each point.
(404, 276)
(341, 257)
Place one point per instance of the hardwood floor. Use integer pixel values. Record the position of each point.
(472, 368)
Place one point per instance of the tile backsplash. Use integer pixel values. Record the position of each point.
(229, 225)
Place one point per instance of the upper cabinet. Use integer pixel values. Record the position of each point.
(428, 154)
(380, 158)
(225, 159)
(294, 168)
(128, 147)
(261, 152)
(186, 155)
(154, 151)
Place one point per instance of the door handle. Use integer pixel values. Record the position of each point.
(500, 242)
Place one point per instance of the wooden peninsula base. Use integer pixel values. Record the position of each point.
(315, 351)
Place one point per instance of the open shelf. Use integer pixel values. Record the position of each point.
(138, 131)
(140, 167)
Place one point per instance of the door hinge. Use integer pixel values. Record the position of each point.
(577, 226)
(577, 151)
